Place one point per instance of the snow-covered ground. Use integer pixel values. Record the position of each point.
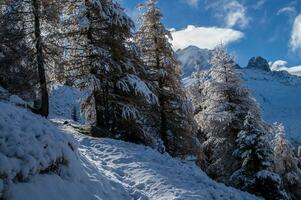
(96, 168)
(40, 162)
(147, 174)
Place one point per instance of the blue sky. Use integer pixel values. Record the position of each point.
(269, 28)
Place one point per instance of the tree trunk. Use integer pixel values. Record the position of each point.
(44, 104)
(163, 124)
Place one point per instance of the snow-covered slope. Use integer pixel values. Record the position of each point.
(40, 162)
(194, 59)
(93, 169)
(147, 174)
(279, 95)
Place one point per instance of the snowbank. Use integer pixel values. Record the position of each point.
(30, 145)
(39, 161)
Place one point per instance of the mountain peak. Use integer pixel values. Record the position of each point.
(193, 59)
(259, 63)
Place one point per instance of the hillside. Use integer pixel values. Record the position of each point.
(279, 95)
(95, 168)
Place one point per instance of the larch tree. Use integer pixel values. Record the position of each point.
(220, 116)
(175, 121)
(34, 20)
(287, 163)
(17, 75)
(254, 149)
(100, 55)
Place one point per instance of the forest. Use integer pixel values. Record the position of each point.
(134, 92)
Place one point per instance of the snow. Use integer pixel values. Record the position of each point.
(65, 101)
(147, 174)
(28, 149)
(279, 95)
(133, 82)
(96, 168)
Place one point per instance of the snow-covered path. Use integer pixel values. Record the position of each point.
(146, 174)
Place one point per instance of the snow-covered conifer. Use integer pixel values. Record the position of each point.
(101, 58)
(287, 163)
(175, 121)
(33, 24)
(220, 116)
(256, 155)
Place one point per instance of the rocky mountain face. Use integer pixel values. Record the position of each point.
(259, 63)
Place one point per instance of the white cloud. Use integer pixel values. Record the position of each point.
(259, 4)
(204, 37)
(278, 65)
(295, 42)
(193, 3)
(281, 65)
(231, 12)
(236, 15)
(288, 10)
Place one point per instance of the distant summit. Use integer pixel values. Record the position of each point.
(259, 63)
(193, 59)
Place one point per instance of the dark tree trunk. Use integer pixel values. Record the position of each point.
(44, 104)
(163, 124)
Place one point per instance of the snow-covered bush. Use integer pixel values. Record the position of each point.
(31, 145)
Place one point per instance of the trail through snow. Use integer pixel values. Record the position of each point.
(147, 174)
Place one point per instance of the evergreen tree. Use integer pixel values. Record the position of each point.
(220, 116)
(100, 54)
(287, 163)
(16, 72)
(175, 122)
(32, 22)
(256, 154)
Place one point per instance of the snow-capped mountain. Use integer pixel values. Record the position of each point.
(193, 59)
(278, 93)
